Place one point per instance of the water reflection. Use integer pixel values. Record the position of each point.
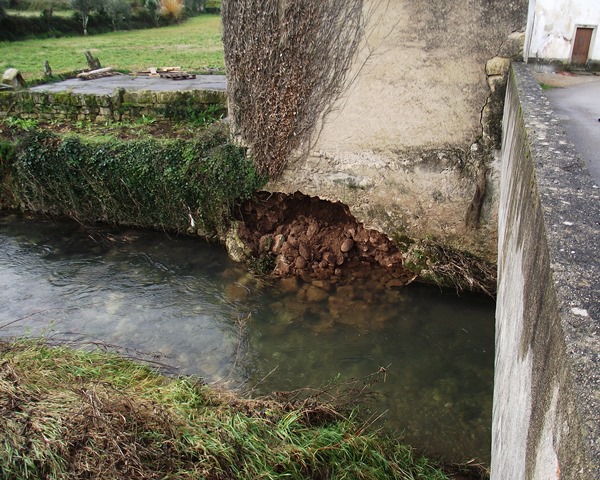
(186, 302)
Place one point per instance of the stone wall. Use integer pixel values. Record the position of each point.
(547, 375)
(410, 145)
(121, 105)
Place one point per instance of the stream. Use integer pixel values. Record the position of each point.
(181, 302)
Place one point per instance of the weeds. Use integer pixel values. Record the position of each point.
(26, 124)
(74, 414)
(145, 120)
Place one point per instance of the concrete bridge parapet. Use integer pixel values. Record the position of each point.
(547, 376)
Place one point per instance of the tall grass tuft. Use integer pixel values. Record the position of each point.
(93, 415)
(172, 9)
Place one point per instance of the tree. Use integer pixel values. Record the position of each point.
(118, 11)
(194, 7)
(3, 7)
(153, 7)
(84, 8)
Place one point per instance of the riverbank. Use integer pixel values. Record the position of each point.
(75, 414)
(171, 176)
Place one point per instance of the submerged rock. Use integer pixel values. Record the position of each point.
(315, 294)
(236, 292)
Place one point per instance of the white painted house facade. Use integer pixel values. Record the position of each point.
(563, 31)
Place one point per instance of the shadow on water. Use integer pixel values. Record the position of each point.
(187, 305)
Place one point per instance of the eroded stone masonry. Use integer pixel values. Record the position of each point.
(314, 239)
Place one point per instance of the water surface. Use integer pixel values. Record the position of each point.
(185, 304)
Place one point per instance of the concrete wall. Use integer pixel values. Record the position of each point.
(547, 372)
(410, 144)
(551, 26)
(122, 105)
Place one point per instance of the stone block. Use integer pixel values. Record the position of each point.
(497, 66)
(13, 77)
(141, 97)
(513, 46)
(496, 82)
(104, 101)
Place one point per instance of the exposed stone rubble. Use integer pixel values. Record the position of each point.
(315, 239)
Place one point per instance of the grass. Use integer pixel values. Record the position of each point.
(195, 45)
(73, 414)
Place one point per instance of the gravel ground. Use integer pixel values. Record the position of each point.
(565, 79)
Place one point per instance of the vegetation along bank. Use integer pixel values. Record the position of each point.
(74, 414)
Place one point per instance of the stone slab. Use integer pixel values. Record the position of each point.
(106, 85)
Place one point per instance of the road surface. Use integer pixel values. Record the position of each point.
(578, 109)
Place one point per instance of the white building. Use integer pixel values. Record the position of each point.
(563, 31)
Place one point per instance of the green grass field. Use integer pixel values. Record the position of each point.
(194, 45)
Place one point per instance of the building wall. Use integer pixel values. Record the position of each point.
(551, 28)
(410, 144)
(547, 377)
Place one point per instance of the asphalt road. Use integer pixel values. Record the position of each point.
(106, 85)
(578, 108)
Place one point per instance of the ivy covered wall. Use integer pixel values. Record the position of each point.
(171, 184)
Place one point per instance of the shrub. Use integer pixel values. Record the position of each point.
(119, 11)
(16, 28)
(287, 62)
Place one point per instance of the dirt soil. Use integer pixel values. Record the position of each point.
(564, 79)
(316, 239)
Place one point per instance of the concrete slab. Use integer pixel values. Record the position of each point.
(106, 85)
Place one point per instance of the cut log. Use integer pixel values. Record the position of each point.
(95, 73)
(178, 76)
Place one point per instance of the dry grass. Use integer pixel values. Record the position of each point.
(172, 9)
(447, 267)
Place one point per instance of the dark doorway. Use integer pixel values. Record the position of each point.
(581, 47)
